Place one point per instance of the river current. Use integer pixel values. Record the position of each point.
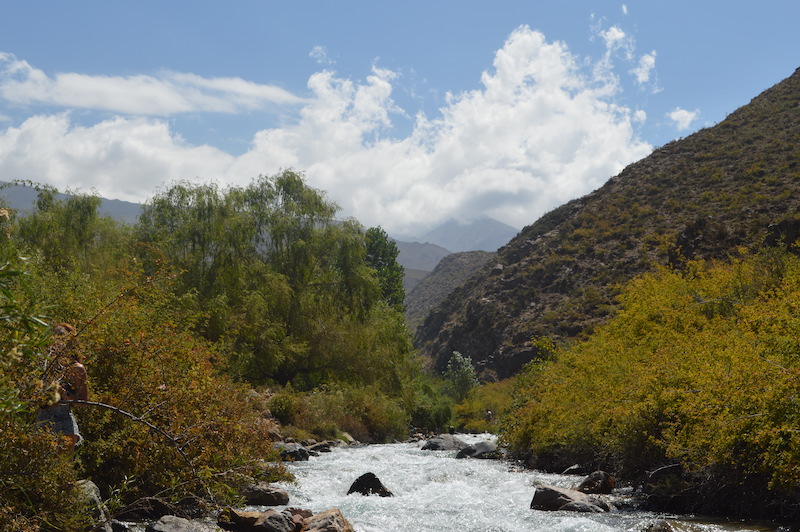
(435, 492)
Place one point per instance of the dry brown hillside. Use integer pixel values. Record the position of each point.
(734, 184)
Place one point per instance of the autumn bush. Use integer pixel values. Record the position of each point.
(698, 371)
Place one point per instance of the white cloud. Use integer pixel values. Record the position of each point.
(167, 94)
(121, 158)
(543, 128)
(624, 9)
(613, 36)
(320, 55)
(683, 119)
(646, 65)
(640, 116)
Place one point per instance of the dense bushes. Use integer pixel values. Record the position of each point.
(698, 369)
(179, 317)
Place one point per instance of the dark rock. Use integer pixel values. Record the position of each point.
(292, 451)
(597, 482)
(444, 442)
(269, 521)
(482, 450)
(369, 484)
(118, 526)
(328, 521)
(262, 494)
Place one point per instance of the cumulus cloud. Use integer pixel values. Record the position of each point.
(645, 68)
(121, 158)
(543, 128)
(682, 118)
(164, 95)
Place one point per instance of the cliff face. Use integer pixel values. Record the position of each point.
(735, 184)
(432, 289)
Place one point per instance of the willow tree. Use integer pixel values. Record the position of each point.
(282, 280)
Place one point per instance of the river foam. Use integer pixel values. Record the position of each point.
(435, 492)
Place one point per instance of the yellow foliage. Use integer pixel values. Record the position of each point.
(699, 367)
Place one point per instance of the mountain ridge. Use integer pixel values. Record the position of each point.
(698, 197)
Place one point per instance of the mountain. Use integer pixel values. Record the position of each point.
(432, 289)
(23, 198)
(481, 234)
(734, 184)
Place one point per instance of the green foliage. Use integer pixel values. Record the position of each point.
(382, 256)
(69, 233)
(366, 413)
(460, 376)
(699, 368)
(210, 292)
(37, 483)
(290, 291)
(484, 406)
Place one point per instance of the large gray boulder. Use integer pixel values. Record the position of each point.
(552, 498)
(482, 450)
(172, 523)
(263, 494)
(444, 442)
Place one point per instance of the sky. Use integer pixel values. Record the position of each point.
(405, 114)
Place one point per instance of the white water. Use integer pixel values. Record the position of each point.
(435, 492)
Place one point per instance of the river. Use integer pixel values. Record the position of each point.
(435, 492)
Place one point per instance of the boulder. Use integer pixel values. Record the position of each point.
(597, 482)
(328, 521)
(347, 438)
(369, 484)
(262, 494)
(483, 450)
(584, 507)
(91, 493)
(172, 523)
(444, 442)
(551, 498)
(322, 447)
(292, 451)
(269, 521)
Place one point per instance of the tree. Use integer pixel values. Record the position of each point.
(460, 376)
(382, 256)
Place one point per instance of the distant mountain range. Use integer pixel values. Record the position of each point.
(23, 198)
(480, 234)
(420, 256)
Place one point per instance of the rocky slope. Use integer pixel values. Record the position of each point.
(432, 289)
(734, 184)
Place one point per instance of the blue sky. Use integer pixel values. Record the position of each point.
(407, 114)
